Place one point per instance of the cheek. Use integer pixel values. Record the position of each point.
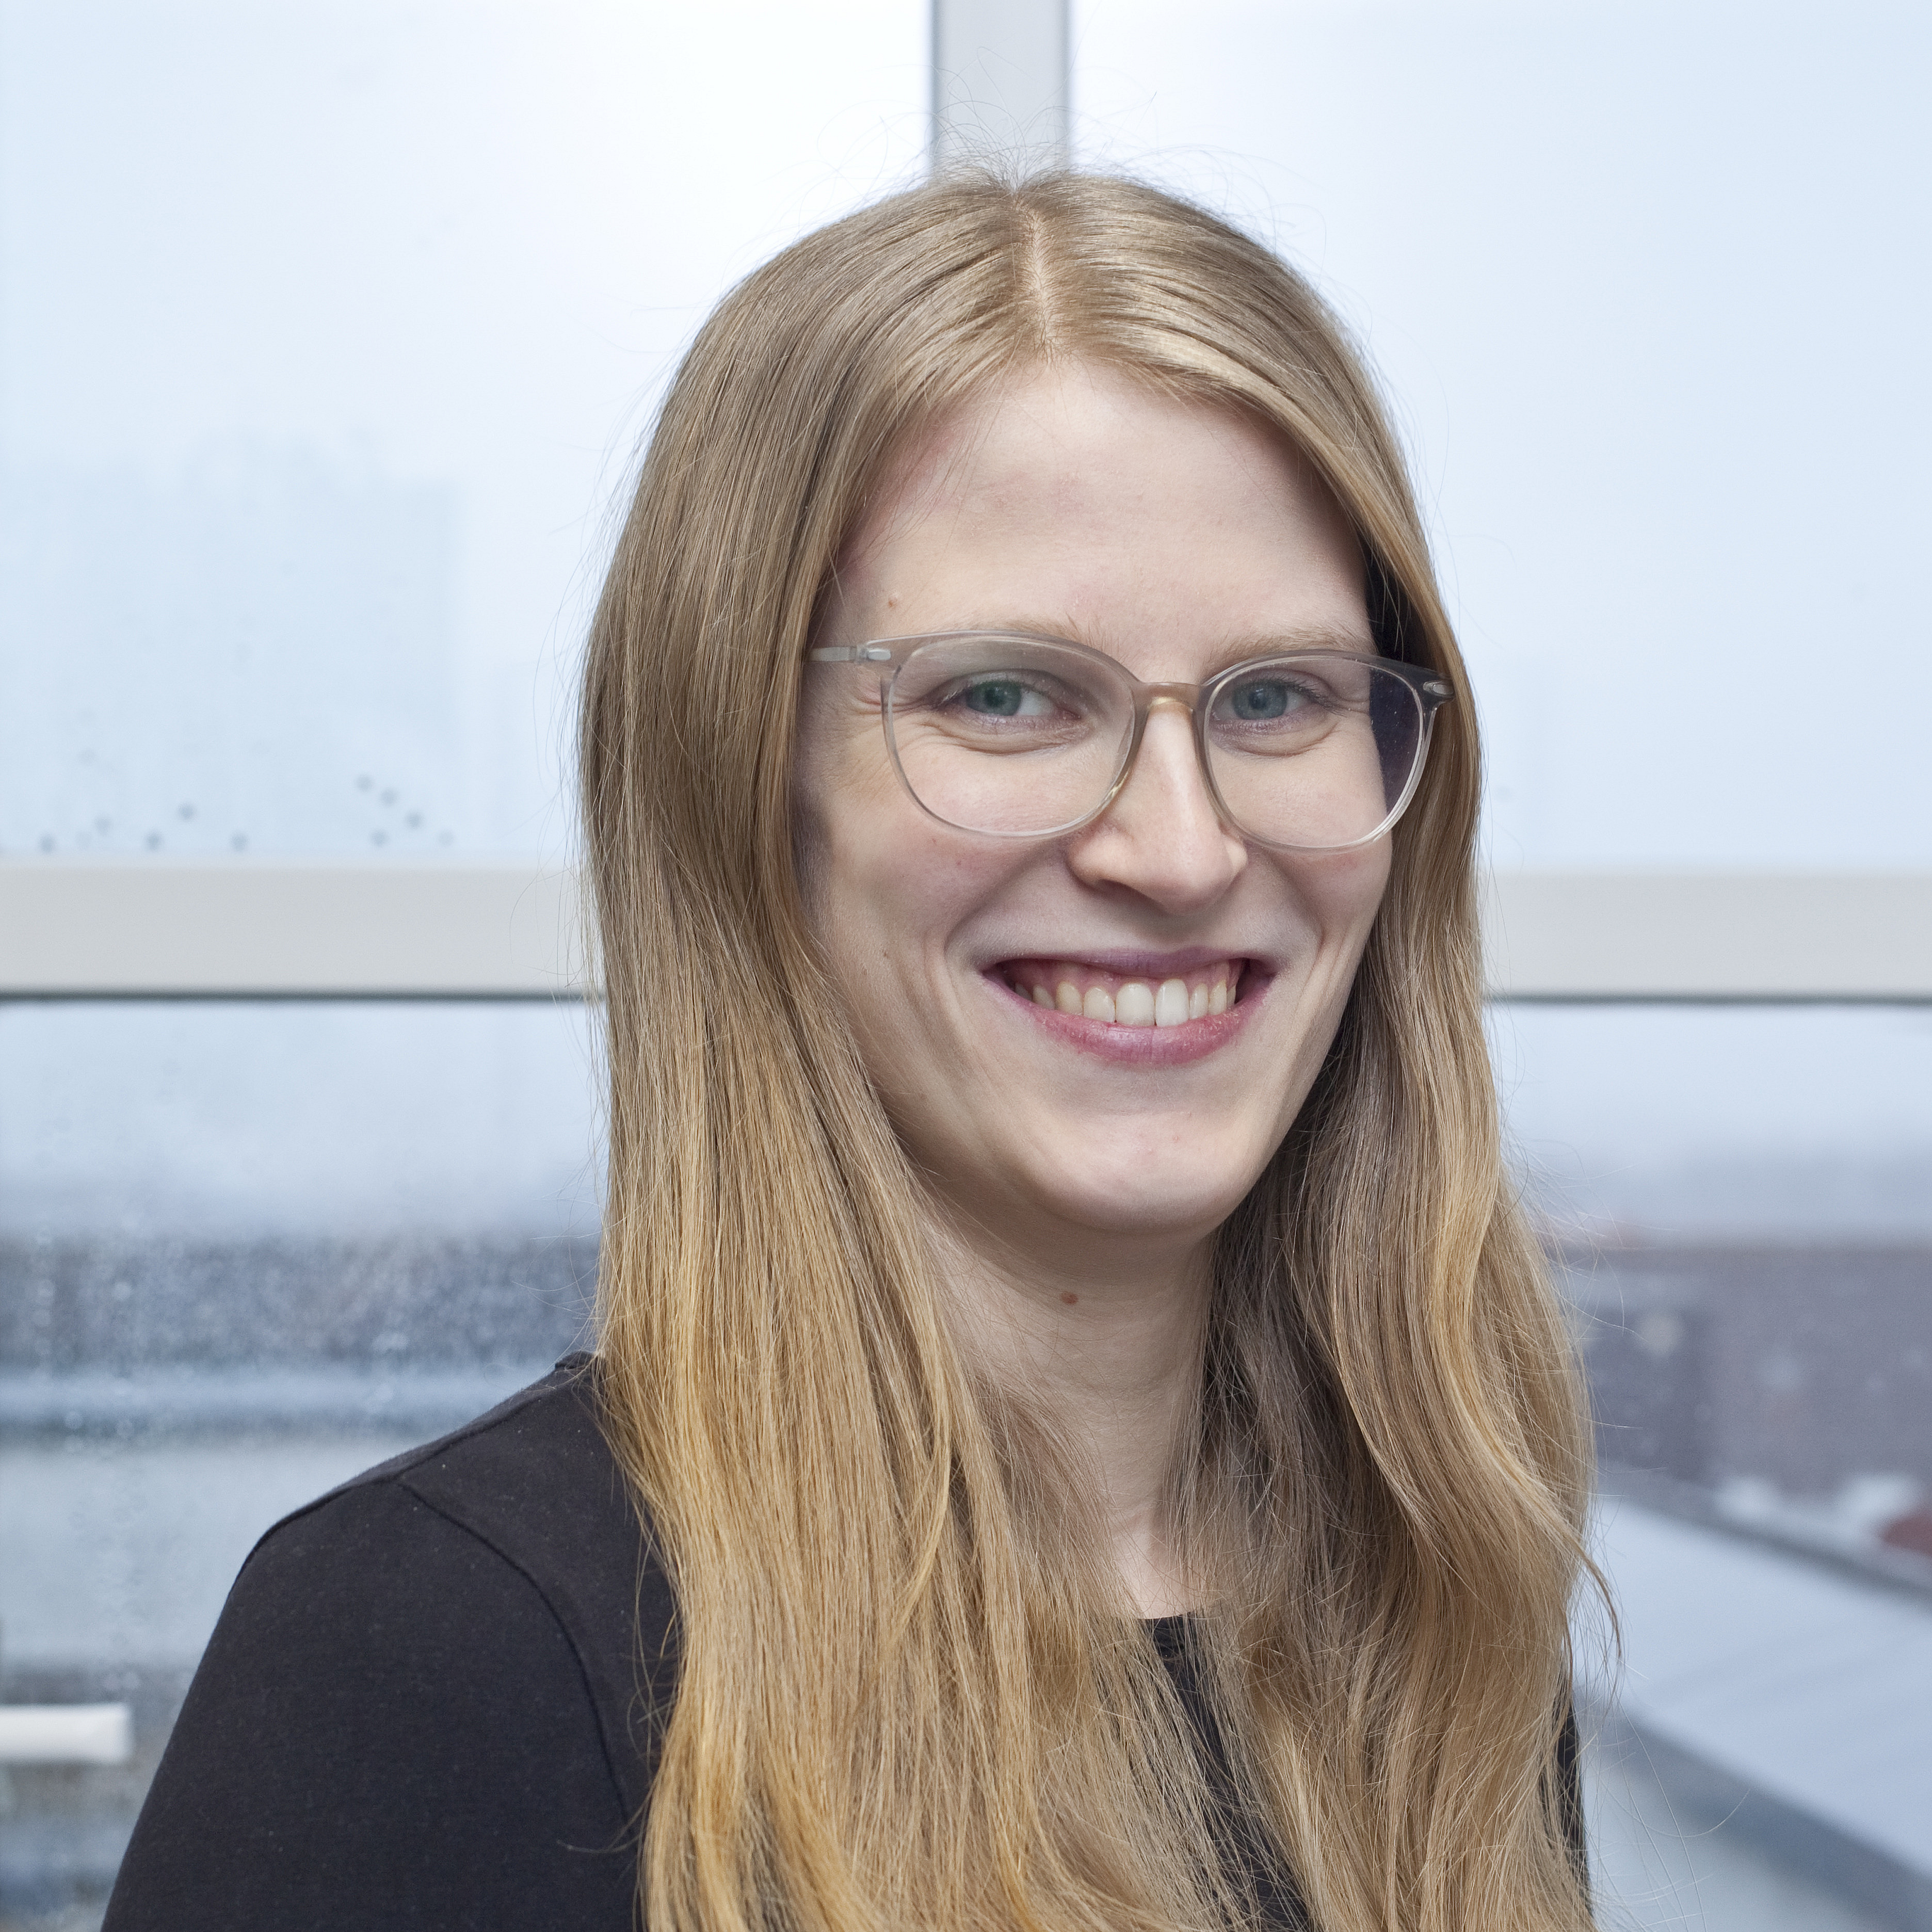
(1344, 893)
(880, 892)
(888, 900)
(889, 894)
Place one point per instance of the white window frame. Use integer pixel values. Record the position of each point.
(250, 927)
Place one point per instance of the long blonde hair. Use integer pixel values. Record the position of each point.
(908, 1696)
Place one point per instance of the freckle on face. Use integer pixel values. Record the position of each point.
(1070, 1298)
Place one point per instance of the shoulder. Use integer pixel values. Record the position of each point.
(425, 1684)
(500, 1467)
(525, 1509)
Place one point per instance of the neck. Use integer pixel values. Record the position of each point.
(1109, 1347)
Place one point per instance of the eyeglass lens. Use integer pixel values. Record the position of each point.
(1023, 737)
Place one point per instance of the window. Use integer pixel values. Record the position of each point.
(325, 338)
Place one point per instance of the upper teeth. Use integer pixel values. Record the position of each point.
(1137, 1003)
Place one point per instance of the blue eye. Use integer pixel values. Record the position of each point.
(995, 697)
(1265, 698)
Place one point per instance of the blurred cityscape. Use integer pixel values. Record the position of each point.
(1783, 1391)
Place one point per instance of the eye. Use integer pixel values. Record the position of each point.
(1003, 694)
(1260, 700)
(1001, 697)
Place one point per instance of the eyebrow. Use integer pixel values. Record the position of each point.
(1324, 637)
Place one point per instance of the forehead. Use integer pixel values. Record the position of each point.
(1078, 501)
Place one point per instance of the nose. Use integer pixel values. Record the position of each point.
(1161, 839)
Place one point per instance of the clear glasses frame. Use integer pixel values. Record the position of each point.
(1430, 690)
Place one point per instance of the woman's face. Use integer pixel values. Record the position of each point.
(1178, 538)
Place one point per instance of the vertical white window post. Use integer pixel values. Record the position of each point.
(999, 83)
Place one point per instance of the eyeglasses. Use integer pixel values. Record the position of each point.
(1026, 737)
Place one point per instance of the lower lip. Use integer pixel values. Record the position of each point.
(1145, 1046)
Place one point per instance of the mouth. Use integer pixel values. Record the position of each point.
(1142, 996)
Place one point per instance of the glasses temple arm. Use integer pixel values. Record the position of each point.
(850, 654)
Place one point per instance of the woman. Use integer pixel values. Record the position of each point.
(1107, 1451)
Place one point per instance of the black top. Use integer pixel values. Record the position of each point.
(424, 1706)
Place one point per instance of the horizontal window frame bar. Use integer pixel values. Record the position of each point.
(1496, 998)
(590, 996)
(252, 928)
(1781, 937)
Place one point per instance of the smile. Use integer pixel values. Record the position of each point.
(1149, 1000)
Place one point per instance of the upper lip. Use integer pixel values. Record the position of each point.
(1129, 960)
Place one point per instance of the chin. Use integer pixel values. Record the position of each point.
(1134, 1197)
